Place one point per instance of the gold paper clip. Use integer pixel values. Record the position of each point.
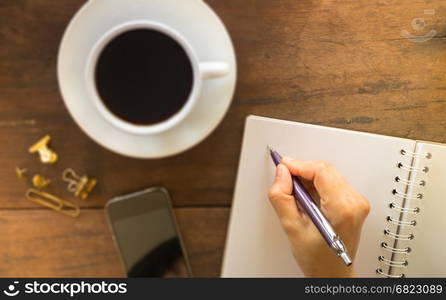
(47, 156)
(53, 202)
(80, 186)
(40, 182)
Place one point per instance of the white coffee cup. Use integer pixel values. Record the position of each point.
(201, 71)
(194, 26)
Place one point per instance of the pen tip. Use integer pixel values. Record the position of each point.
(346, 259)
(269, 148)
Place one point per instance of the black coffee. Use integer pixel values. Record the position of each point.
(144, 76)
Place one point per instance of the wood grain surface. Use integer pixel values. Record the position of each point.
(40, 243)
(341, 63)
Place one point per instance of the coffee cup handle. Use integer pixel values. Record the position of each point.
(211, 70)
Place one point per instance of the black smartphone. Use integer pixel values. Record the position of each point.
(146, 234)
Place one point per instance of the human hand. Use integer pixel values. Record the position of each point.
(345, 209)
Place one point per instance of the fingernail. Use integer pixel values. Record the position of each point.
(279, 171)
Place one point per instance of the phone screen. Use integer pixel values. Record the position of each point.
(146, 234)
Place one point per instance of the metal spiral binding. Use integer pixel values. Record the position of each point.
(412, 169)
(416, 155)
(414, 210)
(402, 237)
(410, 183)
(393, 263)
(396, 250)
(402, 210)
(406, 196)
(401, 223)
(381, 272)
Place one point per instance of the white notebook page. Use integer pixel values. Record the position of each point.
(427, 258)
(256, 244)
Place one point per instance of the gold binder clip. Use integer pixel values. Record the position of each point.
(40, 182)
(47, 156)
(80, 186)
(53, 202)
(20, 172)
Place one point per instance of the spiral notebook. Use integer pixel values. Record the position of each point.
(404, 180)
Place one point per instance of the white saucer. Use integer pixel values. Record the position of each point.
(205, 33)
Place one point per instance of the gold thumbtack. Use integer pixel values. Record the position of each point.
(20, 172)
(47, 156)
(40, 182)
(80, 186)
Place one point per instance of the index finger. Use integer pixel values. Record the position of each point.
(326, 179)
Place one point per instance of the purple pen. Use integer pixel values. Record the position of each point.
(320, 221)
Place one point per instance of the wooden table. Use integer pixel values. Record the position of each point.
(340, 63)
